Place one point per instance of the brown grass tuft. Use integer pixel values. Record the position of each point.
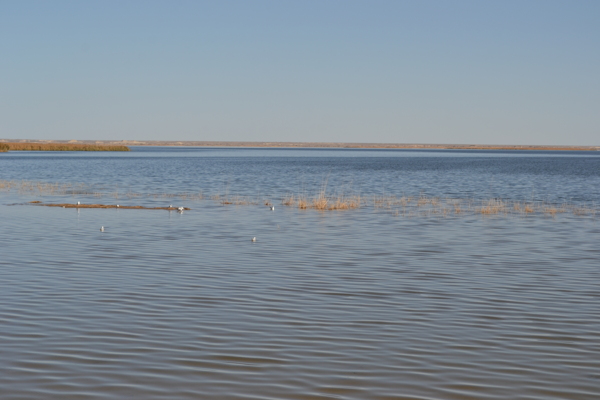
(322, 202)
(492, 207)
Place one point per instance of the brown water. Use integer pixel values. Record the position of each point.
(340, 305)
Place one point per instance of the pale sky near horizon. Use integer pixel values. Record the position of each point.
(486, 72)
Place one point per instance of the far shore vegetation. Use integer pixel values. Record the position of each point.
(12, 146)
(332, 145)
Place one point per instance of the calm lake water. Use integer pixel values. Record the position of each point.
(356, 304)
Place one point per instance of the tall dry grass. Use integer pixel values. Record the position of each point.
(3, 147)
(492, 207)
(323, 201)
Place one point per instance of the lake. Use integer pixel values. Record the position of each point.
(417, 293)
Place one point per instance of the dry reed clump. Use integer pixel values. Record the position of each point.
(6, 185)
(456, 206)
(493, 206)
(424, 200)
(584, 211)
(323, 202)
(290, 200)
(552, 210)
(12, 146)
(320, 202)
(524, 208)
(302, 203)
(3, 147)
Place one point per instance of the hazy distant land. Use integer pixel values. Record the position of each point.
(57, 146)
(303, 144)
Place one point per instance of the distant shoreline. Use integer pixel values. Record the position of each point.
(58, 146)
(303, 145)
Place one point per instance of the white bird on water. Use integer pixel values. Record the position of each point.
(117, 206)
(101, 229)
(272, 208)
(78, 203)
(254, 239)
(180, 209)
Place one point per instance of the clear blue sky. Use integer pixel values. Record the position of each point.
(506, 72)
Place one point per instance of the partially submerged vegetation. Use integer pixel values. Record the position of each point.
(44, 188)
(18, 146)
(446, 207)
(35, 188)
(323, 202)
(406, 206)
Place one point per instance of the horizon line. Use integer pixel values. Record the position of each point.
(270, 144)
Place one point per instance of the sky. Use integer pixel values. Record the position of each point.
(477, 72)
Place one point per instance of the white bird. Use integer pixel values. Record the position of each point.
(117, 206)
(78, 203)
(254, 239)
(272, 208)
(170, 205)
(101, 229)
(180, 209)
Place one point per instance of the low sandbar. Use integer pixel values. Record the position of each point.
(71, 205)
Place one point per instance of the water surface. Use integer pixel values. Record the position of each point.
(359, 304)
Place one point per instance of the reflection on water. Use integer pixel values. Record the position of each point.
(357, 304)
